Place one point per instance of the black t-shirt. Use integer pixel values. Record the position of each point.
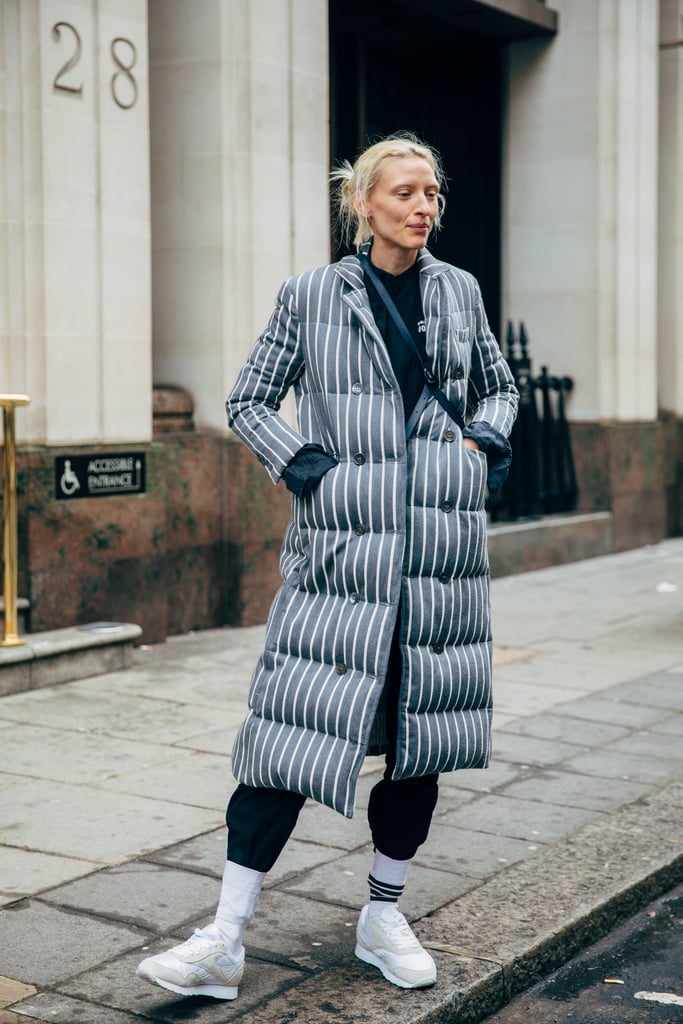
(405, 291)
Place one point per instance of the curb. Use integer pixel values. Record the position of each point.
(514, 929)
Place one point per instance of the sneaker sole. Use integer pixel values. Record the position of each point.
(214, 991)
(368, 957)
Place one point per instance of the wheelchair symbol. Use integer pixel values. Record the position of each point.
(69, 482)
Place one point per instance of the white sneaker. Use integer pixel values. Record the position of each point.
(388, 942)
(201, 966)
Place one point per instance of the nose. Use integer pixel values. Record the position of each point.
(424, 205)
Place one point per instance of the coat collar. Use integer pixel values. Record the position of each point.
(356, 298)
(350, 270)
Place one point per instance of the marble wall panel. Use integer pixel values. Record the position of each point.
(199, 549)
(75, 174)
(232, 218)
(580, 201)
(670, 222)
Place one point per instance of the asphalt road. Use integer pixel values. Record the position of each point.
(632, 976)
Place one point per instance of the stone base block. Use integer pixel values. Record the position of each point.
(552, 540)
(62, 655)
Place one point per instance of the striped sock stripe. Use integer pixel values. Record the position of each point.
(383, 891)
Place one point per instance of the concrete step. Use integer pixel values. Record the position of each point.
(62, 655)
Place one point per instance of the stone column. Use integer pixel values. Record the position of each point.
(580, 202)
(671, 207)
(74, 256)
(239, 108)
(581, 249)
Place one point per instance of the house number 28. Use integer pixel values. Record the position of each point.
(123, 84)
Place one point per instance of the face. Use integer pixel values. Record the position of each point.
(402, 205)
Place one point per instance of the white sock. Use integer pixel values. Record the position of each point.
(240, 890)
(387, 877)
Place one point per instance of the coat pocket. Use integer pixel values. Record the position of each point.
(478, 464)
(453, 352)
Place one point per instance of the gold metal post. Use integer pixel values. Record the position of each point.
(9, 526)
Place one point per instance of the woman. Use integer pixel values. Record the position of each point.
(379, 638)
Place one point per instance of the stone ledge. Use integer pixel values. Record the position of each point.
(62, 655)
(550, 540)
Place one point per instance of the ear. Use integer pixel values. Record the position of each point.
(360, 207)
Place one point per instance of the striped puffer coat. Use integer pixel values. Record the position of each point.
(399, 522)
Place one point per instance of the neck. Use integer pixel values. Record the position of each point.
(394, 261)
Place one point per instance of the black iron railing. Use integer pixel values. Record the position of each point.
(542, 479)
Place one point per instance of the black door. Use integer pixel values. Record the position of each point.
(393, 73)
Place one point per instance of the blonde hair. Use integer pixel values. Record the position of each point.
(357, 180)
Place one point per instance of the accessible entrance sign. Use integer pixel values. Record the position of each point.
(99, 476)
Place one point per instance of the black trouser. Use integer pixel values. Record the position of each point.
(260, 821)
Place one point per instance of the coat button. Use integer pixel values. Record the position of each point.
(359, 529)
(437, 648)
(449, 435)
(444, 578)
(446, 506)
(359, 459)
(341, 668)
(357, 388)
(459, 373)
(354, 598)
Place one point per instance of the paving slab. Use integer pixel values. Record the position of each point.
(558, 663)
(572, 789)
(519, 819)
(612, 764)
(530, 698)
(106, 827)
(316, 821)
(302, 932)
(204, 854)
(51, 1006)
(12, 991)
(498, 774)
(672, 726)
(471, 854)
(142, 895)
(25, 872)
(564, 727)
(611, 710)
(99, 706)
(532, 750)
(343, 882)
(77, 942)
(56, 755)
(650, 744)
(116, 985)
(190, 777)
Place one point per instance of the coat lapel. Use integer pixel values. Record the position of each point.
(355, 297)
(431, 290)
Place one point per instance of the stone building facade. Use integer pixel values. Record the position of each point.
(163, 167)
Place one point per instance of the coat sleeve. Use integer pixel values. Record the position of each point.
(274, 363)
(492, 396)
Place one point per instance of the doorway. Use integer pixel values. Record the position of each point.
(396, 67)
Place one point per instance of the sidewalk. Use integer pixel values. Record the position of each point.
(113, 789)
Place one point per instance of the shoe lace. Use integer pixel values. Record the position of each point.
(197, 943)
(401, 933)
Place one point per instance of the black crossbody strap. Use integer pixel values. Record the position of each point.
(408, 340)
